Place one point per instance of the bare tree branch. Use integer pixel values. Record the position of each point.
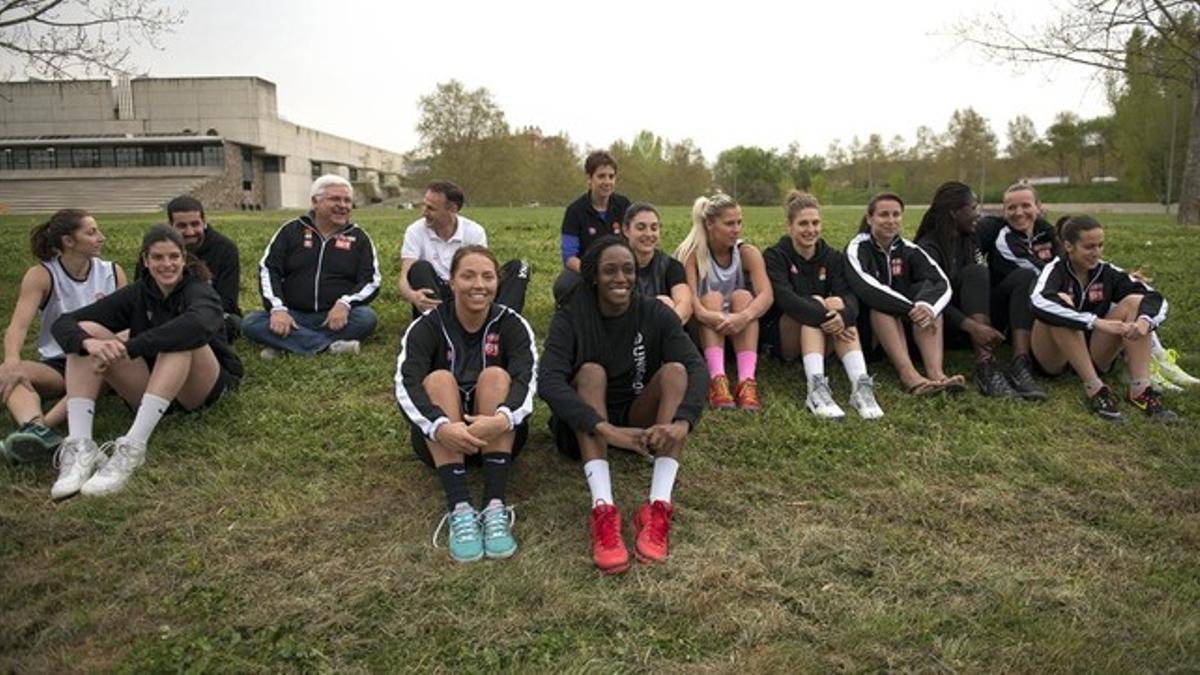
(63, 38)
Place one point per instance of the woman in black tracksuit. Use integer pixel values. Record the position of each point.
(173, 356)
(465, 380)
(815, 310)
(947, 234)
(619, 370)
(1087, 311)
(903, 288)
(658, 274)
(1017, 247)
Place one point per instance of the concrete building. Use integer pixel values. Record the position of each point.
(132, 145)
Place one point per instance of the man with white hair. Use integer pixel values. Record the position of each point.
(317, 277)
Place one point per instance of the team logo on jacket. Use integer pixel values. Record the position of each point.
(592, 231)
(343, 243)
(821, 273)
(1095, 293)
(897, 267)
(793, 271)
(1044, 251)
(491, 345)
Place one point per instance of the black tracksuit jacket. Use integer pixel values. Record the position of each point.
(189, 318)
(654, 337)
(795, 281)
(1091, 297)
(1007, 249)
(437, 341)
(304, 271)
(895, 280)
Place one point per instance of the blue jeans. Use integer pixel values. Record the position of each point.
(309, 337)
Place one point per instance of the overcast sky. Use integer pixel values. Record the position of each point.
(745, 72)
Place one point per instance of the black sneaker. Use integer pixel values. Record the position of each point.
(1020, 375)
(991, 382)
(1104, 404)
(31, 443)
(1150, 402)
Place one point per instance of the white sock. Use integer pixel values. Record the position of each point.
(81, 412)
(149, 413)
(663, 481)
(814, 365)
(599, 481)
(855, 364)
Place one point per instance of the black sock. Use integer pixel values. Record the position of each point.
(454, 483)
(495, 475)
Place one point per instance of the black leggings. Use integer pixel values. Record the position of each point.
(1011, 306)
(970, 295)
(514, 280)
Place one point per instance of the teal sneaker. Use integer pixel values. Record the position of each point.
(466, 537)
(498, 519)
(32, 442)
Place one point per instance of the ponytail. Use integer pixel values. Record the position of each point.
(696, 241)
(1070, 228)
(45, 240)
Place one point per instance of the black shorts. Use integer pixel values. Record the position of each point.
(226, 382)
(420, 444)
(564, 436)
(58, 363)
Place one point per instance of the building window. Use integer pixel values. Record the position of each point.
(130, 156)
(214, 155)
(274, 164)
(85, 158)
(14, 159)
(42, 158)
(316, 170)
(353, 174)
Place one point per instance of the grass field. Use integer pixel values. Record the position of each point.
(287, 529)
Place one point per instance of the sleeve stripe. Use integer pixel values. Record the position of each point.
(1049, 306)
(1006, 252)
(870, 280)
(403, 398)
(264, 275)
(372, 286)
(526, 408)
(940, 305)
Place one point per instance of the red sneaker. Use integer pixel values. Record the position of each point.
(719, 396)
(747, 395)
(653, 526)
(608, 550)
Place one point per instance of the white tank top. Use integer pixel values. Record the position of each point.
(724, 280)
(68, 294)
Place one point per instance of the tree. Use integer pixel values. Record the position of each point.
(1095, 33)
(1066, 141)
(454, 118)
(1022, 141)
(58, 37)
(751, 175)
(970, 142)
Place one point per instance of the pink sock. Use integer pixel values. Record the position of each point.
(747, 362)
(715, 357)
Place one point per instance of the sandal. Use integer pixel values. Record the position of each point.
(955, 384)
(925, 388)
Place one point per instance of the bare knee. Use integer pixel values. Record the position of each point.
(740, 299)
(833, 303)
(712, 300)
(591, 378)
(674, 375)
(494, 378)
(439, 380)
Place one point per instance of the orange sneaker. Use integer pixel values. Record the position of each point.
(608, 550)
(653, 526)
(747, 395)
(719, 396)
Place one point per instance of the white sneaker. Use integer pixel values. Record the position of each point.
(820, 399)
(127, 455)
(862, 399)
(344, 347)
(76, 459)
(269, 354)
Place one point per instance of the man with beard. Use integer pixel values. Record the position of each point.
(215, 250)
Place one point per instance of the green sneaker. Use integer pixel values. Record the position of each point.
(466, 537)
(498, 519)
(1166, 366)
(31, 443)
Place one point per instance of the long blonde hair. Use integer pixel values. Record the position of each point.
(696, 241)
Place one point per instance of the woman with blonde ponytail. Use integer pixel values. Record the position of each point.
(69, 275)
(728, 279)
